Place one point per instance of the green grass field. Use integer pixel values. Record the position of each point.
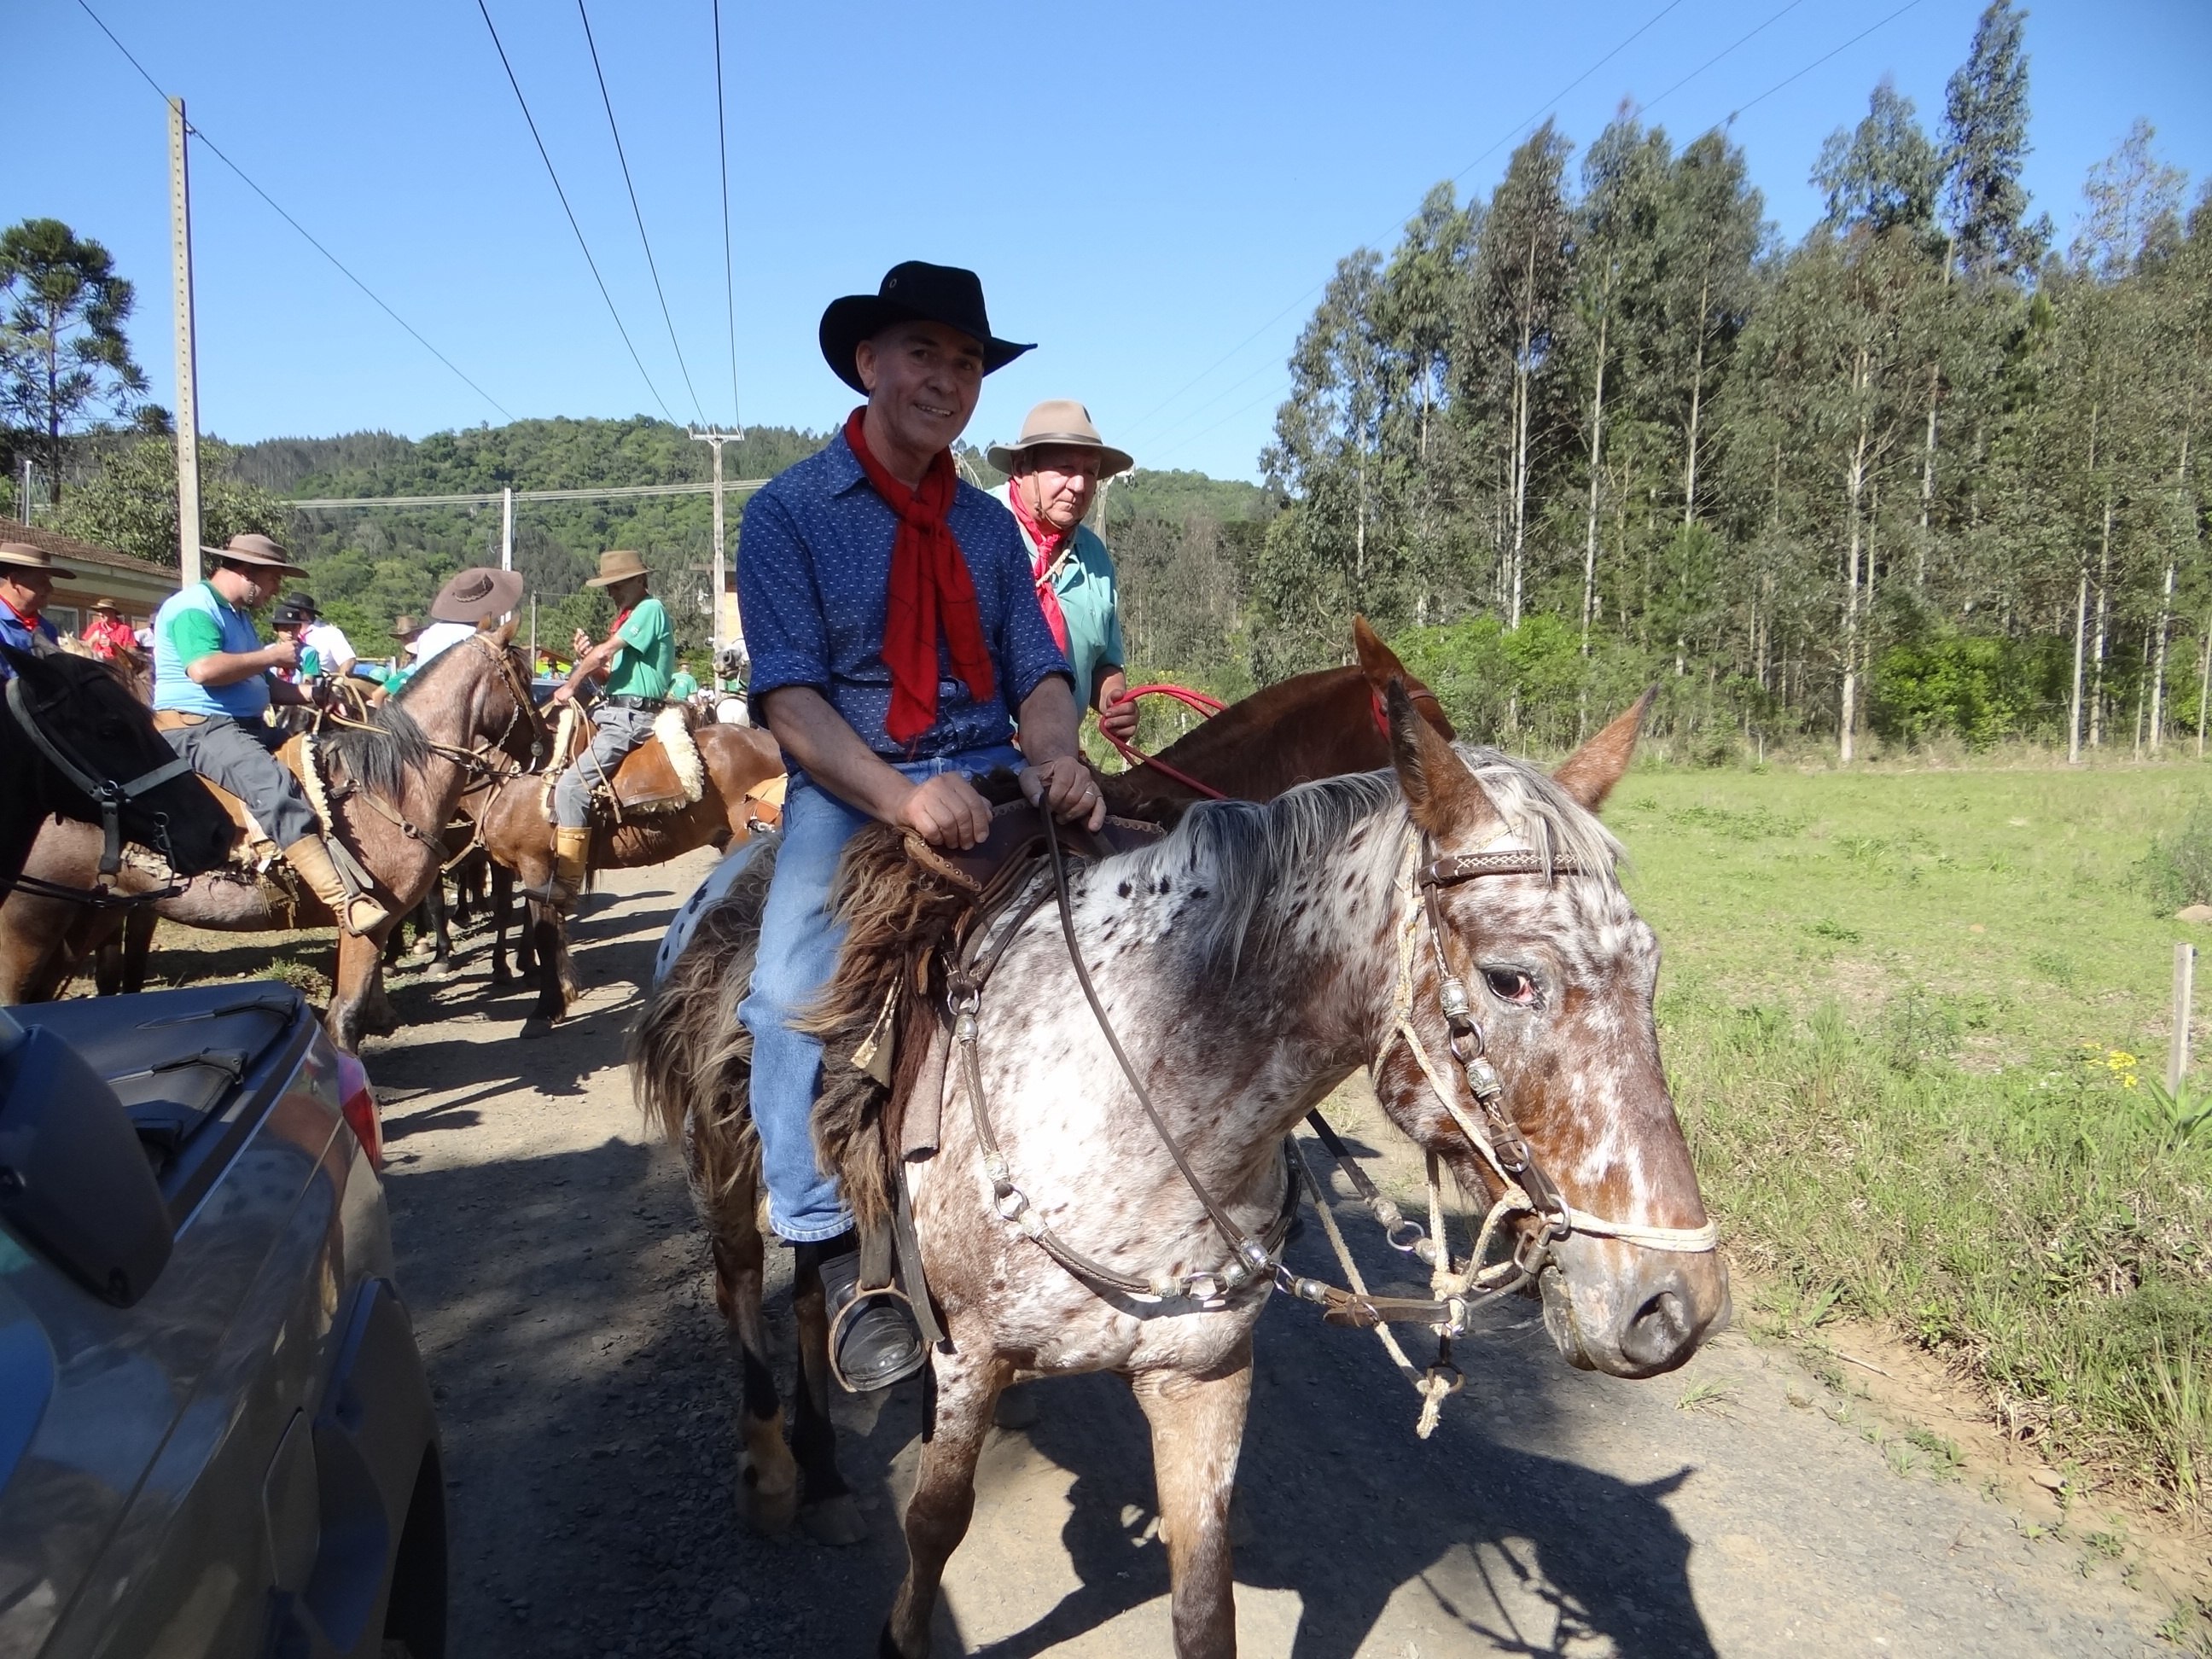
(1915, 1023)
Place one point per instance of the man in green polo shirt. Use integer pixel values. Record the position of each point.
(1053, 470)
(685, 685)
(213, 681)
(637, 660)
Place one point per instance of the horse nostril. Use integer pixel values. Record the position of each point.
(1660, 1330)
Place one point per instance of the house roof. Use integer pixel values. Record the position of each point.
(70, 552)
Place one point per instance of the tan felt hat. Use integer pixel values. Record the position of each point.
(405, 627)
(27, 557)
(1061, 423)
(618, 566)
(256, 550)
(103, 603)
(469, 596)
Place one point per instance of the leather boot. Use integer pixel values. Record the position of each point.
(878, 1345)
(358, 912)
(572, 862)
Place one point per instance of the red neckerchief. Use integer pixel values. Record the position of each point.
(931, 591)
(1050, 541)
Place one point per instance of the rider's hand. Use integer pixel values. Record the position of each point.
(945, 812)
(282, 652)
(1066, 788)
(580, 643)
(1117, 715)
(563, 695)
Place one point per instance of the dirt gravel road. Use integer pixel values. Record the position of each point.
(1740, 1507)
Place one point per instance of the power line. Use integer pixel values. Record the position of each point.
(638, 212)
(200, 133)
(729, 276)
(1823, 57)
(1722, 53)
(545, 157)
(1622, 45)
(486, 498)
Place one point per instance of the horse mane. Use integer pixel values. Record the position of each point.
(1246, 850)
(381, 753)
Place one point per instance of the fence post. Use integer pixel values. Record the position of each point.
(2184, 987)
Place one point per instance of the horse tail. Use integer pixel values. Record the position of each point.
(690, 1060)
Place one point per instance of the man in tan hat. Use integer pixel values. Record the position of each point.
(107, 633)
(1053, 473)
(27, 574)
(637, 660)
(213, 681)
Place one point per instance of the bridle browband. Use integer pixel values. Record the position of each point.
(110, 795)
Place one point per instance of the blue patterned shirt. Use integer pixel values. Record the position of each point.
(814, 569)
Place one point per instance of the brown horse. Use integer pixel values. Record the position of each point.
(517, 830)
(393, 783)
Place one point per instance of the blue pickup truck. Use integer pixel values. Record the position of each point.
(215, 1434)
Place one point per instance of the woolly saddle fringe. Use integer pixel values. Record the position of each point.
(691, 1061)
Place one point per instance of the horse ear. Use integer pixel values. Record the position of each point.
(1590, 772)
(506, 634)
(1445, 799)
(1381, 665)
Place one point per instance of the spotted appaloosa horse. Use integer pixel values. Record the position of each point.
(1249, 963)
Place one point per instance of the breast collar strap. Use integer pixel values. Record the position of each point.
(107, 794)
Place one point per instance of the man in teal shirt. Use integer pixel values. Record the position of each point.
(213, 681)
(1054, 472)
(685, 685)
(638, 661)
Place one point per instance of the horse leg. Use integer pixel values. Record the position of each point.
(968, 1383)
(360, 970)
(556, 984)
(109, 948)
(1198, 1426)
(441, 949)
(137, 944)
(829, 1513)
(503, 902)
(768, 1474)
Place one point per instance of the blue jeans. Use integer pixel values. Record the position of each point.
(798, 942)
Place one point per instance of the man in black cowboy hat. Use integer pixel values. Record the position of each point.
(213, 681)
(334, 652)
(897, 648)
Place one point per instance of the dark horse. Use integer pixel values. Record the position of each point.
(68, 714)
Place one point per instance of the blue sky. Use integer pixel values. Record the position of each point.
(1153, 192)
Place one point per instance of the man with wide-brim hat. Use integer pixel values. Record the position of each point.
(897, 649)
(213, 682)
(635, 663)
(105, 633)
(473, 599)
(1053, 472)
(334, 652)
(27, 574)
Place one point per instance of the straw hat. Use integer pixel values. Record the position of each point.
(255, 550)
(469, 596)
(25, 557)
(618, 566)
(915, 291)
(405, 627)
(1060, 423)
(103, 603)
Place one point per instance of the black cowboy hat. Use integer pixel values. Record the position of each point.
(293, 612)
(911, 292)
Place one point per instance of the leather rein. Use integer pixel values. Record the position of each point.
(110, 795)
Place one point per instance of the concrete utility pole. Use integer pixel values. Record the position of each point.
(715, 440)
(506, 527)
(188, 392)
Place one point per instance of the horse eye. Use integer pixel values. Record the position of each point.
(1510, 985)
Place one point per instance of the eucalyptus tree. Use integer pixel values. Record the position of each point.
(1517, 303)
(1712, 231)
(1984, 148)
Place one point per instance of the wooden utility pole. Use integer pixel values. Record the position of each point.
(2177, 1045)
(506, 527)
(188, 394)
(715, 440)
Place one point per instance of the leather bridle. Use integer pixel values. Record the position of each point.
(110, 795)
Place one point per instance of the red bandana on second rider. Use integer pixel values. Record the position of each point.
(1049, 544)
(930, 589)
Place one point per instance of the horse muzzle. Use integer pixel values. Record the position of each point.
(1630, 1310)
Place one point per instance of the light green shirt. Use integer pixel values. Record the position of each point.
(646, 662)
(683, 687)
(1083, 580)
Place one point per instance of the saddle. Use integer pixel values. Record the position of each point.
(664, 773)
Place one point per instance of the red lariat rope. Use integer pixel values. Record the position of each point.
(1129, 753)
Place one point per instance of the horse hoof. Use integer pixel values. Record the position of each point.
(500, 976)
(834, 1520)
(538, 1025)
(768, 1513)
(444, 969)
(1017, 1408)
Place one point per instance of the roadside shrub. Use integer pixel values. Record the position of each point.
(2178, 869)
(1978, 688)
